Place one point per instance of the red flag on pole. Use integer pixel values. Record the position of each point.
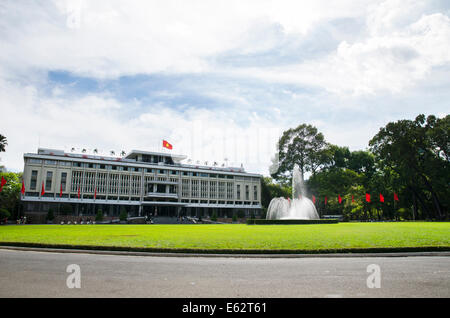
(395, 196)
(367, 197)
(23, 188)
(3, 182)
(95, 193)
(326, 200)
(42, 190)
(339, 198)
(60, 191)
(314, 199)
(78, 192)
(381, 198)
(167, 145)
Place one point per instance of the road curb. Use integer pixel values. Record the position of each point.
(159, 254)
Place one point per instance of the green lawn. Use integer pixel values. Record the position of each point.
(317, 237)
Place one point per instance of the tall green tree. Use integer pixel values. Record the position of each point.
(304, 146)
(3, 143)
(270, 190)
(10, 195)
(417, 150)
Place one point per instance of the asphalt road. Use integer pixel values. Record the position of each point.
(42, 274)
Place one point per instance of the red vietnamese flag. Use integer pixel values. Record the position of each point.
(95, 193)
(78, 192)
(381, 198)
(23, 188)
(314, 199)
(339, 198)
(325, 200)
(167, 145)
(395, 196)
(3, 182)
(367, 197)
(43, 190)
(60, 191)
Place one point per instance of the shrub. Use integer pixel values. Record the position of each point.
(123, 214)
(214, 216)
(99, 216)
(66, 209)
(234, 217)
(4, 213)
(50, 215)
(241, 214)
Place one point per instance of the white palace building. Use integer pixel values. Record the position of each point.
(145, 183)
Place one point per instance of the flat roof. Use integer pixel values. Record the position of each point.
(135, 153)
(53, 154)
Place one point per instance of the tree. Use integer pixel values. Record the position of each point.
(331, 183)
(50, 215)
(418, 151)
(214, 216)
(10, 195)
(270, 190)
(99, 216)
(304, 146)
(3, 143)
(123, 214)
(4, 213)
(66, 209)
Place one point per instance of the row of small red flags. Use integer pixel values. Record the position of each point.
(3, 182)
(353, 198)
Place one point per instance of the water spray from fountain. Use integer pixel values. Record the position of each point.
(299, 208)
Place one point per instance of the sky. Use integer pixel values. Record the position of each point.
(219, 80)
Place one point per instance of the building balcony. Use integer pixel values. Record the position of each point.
(162, 195)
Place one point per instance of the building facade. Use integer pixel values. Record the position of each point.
(142, 183)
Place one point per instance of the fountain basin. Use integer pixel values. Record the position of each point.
(290, 222)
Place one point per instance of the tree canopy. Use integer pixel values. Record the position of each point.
(409, 158)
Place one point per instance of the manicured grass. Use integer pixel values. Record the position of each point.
(315, 237)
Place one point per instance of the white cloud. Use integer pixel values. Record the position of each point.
(97, 122)
(113, 38)
(391, 63)
(401, 47)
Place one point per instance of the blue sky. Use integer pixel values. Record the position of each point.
(219, 79)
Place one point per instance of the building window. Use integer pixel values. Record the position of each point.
(247, 193)
(33, 181)
(238, 192)
(63, 181)
(255, 193)
(48, 181)
(50, 162)
(35, 161)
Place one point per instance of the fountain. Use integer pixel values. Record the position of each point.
(299, 208)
